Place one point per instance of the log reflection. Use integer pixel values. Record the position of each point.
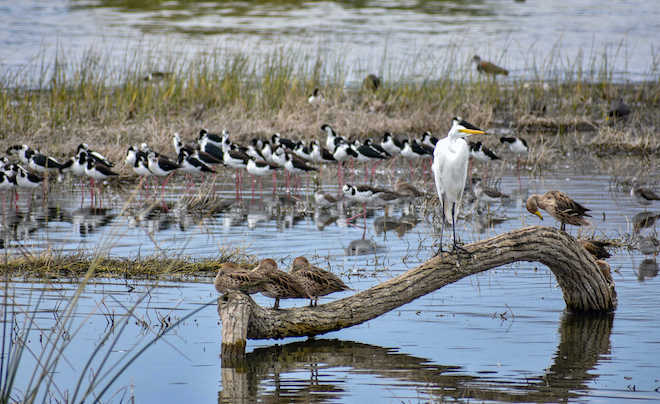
(307, 371)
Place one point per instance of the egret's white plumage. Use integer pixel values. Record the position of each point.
(450, 163)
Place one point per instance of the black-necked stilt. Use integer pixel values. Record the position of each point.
(254, 149)
(369, 152)
(179, 145)
(191, 164)
(238, 160)
(24, 178)
(8, 183)
(260, 168)
(331, 137)
(20, 151)
(482, 153)
(429, 140)
(450, 163)
(391, 144)
(361, 194)
(488, 67)
(4, 161)
(316, 97)
(161, 167)
(98, 171)
(296, 166)
(213, 138)
(267, 151)
(42, 163)
(278, 156)
(516, 145)
(320, 154)
(303, 151)
(213, 150)
(342, 152)
(277, 139)
(95, 155)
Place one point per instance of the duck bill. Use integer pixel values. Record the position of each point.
(537, 213)
(472, 131)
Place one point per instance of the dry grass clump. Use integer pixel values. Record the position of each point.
(53, 266)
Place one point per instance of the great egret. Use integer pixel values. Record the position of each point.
(450, 162)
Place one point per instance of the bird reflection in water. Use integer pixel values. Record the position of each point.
(648, 268)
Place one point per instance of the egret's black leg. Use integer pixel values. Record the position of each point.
(453, 225)
(442, 227)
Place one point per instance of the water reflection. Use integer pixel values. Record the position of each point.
(648, 268)
(308, 371)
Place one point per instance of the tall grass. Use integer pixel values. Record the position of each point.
(107, 101)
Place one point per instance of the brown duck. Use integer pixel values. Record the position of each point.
(279, 284)
(232, 277)
(318, 282)
(560, 206)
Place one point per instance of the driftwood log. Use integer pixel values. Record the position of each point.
(585, 287)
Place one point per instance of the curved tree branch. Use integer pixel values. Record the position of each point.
(585, 287)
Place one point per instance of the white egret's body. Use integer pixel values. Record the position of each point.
(450, 163)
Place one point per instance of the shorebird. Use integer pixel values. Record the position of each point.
(316, 281)
(295, 166)
(482, 153)
(254, 149)
(20, 151)
(278, 140)
(371, 82)
(232, 277)
(279, 284)
(324, 200)
(316, 97)
(643, 196)
(369, 152)
(487, 194)
(191, 164)
(644, 220)
(262, 168)
(161, 167)
(619, 110)
(97, 171)
(365, 194)
(93, 154)
(450, 161)
(560, 206)
(212, 150)
(596, 247)
(516, 145)
(24, 178)
(320, 154)
(302, 151)
(234, 158)
(488, 67)
(215, 139)
(341, 153)
(391, 144)
(331, 137)
(429, 140)
(42, 163)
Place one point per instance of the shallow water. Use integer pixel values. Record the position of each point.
(497, 336)
(414, 39)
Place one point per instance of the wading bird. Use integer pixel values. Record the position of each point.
(450, 163)
(488, 68)
(560, 206)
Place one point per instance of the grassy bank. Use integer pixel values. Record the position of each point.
(110, 108)
(52, 266)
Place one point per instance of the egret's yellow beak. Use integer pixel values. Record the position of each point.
(472, 131)
(537, 213)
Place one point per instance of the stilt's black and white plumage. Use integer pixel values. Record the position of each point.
(331, 140)
(516, 144)
(295, 166)
(302, 151)
(24, 178)
(83, 147)
(161, 166)
(412, 150)
(42, 163)
(391, 144)
(482, 153)
(97, 170)
(212, 150)
(429, 140)
(316, 97)
(277, 139)
(20, 151)
(189, 163)
(7, 181)
(213, 138)
(320, 154)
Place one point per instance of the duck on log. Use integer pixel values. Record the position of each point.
(586, 284)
